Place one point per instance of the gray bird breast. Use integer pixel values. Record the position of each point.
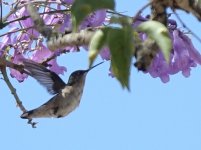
(69, 99)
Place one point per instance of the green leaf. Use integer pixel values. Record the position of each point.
(96, 43)
(82, 8)
(159, 33)
(120, 42)
(124, 21)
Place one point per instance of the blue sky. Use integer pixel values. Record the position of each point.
(153, 116)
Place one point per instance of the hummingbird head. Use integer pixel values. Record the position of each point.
(79, 75)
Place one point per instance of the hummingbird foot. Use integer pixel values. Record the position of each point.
(33, 124)
(26, 115)
(60, 116)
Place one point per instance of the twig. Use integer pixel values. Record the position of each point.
(14, 93)
(183, 24)
(22, 29)
(25, 17)
(1, 17)
(117, 13)
(18, 7)
(16, 31)
(140, 11)
(52, 57)
(80, 38)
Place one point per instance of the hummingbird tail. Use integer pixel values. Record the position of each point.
(26, 115)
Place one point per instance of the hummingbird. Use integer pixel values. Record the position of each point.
(66, 96)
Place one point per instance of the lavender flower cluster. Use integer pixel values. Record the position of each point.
(183, 56)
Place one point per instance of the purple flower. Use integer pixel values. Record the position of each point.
(181, 60)
(22, 42)
(6, 41)
(1, 53)
(105, 53)
(5, 44)
(94, 19)
(17, 59)
(193, 53)
(56, 19)
(138, 21)
(28, 23)
(69, 2)
(67, 24)
(183, 56)
(159, 68)
(56, 68)
(42, 54)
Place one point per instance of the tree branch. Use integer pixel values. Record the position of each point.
(80, 38)
(14, 93)
(19, 5)
(25, 17)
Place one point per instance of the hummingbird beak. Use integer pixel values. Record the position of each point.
(94, 66)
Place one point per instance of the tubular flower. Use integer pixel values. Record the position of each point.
(94, 19)
(42, 54)
(183, 56)
(17, 59)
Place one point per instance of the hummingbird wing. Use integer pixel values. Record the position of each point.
(50, 80)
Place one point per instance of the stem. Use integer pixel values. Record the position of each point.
(140, 11)
(25, 17)
(185, 26)
(12, 89)
(14, 93)
(1, 11)
(17, 7)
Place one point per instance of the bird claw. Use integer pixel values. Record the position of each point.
(33, 124)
